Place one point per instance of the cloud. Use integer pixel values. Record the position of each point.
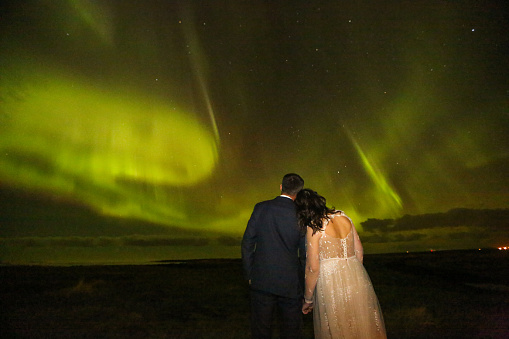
(164, 241)
(229, 241)
(392, 237)
(494, 219)
(409, 237)
(54, 242)
(458, 228)
(460, 235)
(372, 224)
(375, 238)
(134, 240)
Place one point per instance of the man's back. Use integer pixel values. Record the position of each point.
(271, 246)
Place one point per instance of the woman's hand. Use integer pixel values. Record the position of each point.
(307, 307)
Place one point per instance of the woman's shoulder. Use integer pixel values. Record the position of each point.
(336, 213)
(340, 215)
(341, 220)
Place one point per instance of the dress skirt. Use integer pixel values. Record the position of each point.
(346, 305)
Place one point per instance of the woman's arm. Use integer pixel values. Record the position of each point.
(312, 263)
(357, 245)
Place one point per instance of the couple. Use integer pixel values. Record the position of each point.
(337, 287)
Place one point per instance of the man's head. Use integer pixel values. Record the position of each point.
(292, 184)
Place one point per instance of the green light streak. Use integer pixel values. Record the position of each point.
(199, 62)
(96, 16)
(388, 199)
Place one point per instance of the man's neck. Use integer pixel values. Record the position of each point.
(287, 196)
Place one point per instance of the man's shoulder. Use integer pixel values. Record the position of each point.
(272, 202)
(277, 203)
(268, 201)
(276, 200)
(261, 204)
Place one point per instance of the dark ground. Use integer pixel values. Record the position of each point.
(453, 294)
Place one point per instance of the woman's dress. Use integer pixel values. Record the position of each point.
(345, 303)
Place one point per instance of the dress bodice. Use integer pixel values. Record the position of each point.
(332, 247)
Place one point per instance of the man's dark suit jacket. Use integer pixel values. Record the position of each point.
(273, 249)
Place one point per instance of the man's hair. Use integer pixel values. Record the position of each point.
(292, 184)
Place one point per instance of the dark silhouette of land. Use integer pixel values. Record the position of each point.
(450, 294)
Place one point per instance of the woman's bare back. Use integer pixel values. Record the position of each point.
(339, 226)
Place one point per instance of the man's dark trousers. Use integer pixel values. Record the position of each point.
(263, 307)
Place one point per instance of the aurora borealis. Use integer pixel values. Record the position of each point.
(147, 130)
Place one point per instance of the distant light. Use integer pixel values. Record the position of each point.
(479, 249)
(505, 247)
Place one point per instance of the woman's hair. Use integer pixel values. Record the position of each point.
(311, 210)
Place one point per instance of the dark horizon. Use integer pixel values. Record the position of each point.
(199, 262)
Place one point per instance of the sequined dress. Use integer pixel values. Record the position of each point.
(345, 303)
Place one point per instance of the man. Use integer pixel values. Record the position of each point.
(273, 256)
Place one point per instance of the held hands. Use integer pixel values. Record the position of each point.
(307, 307)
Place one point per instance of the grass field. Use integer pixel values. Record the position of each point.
(454, 294)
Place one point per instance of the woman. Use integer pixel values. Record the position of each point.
(338, 288)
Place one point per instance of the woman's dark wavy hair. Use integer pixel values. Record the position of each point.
(311, 210)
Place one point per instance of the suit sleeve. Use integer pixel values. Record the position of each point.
(249, 245)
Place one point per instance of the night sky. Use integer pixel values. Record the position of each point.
(145, 130)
